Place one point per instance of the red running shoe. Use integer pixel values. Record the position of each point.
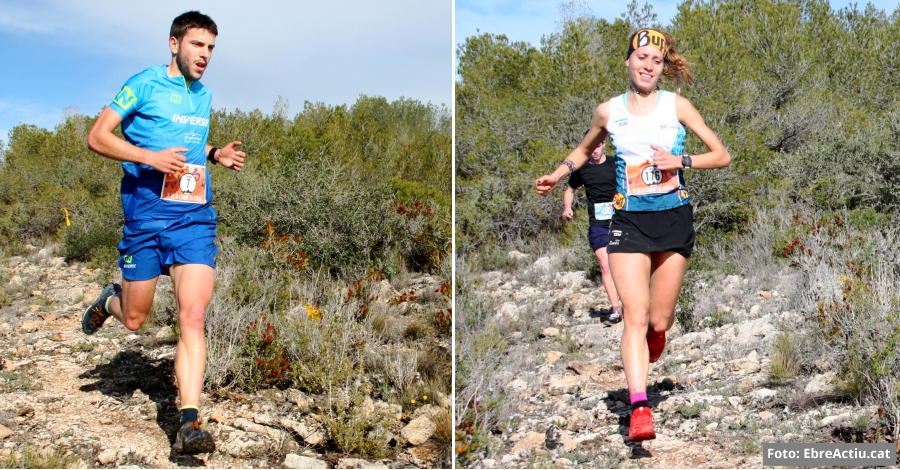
(641, 426)
(656, 342)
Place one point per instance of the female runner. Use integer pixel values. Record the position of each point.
(652, 231)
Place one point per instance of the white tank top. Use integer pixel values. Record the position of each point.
(640, 186)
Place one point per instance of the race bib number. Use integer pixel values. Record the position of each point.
(603, 210)
(646, 178)
(187, 185)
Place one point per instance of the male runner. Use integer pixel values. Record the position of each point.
(170, 225)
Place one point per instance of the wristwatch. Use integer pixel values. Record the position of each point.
(686, 162)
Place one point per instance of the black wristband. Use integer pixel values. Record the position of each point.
(212, 155)
(686, 162)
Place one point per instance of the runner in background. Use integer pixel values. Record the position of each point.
(170, 224)
(652, 231)
(598, 176)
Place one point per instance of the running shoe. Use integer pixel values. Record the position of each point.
(96, 314)
(615, 316)
(641, 426)
(193, 440)
(656, 344)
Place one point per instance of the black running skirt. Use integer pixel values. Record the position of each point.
(650, 232)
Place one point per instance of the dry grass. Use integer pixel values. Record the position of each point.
(785, 357)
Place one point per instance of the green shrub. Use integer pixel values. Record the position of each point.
(355, 431)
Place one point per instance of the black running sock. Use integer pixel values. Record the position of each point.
(189, 414)
(639, 404)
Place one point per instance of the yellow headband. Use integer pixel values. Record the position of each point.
(648, 37)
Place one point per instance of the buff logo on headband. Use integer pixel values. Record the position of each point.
(647, 37)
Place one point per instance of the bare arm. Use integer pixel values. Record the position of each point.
(102, 140)
(595, 137)
(717, 157)
(568, 196)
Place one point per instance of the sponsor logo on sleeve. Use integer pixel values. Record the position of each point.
(125, 98)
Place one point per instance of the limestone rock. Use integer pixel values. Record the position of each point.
(517, 256)
(584, 368)
(549, 332)
(418, 430)
(822, 384)
(107, 457)
(688, 427)
(532, 440)
(358, 463)
(166, 333)
(508, 311)
(300, 461)
(562, 385)
(517, 384)
(553, 356)
(763, 393)
(66, 296)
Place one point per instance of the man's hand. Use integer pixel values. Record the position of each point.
(169, 160)
(230, 157)
(567, 213)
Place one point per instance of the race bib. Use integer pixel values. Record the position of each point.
(646, 178)
(603, 210)
(187, 185)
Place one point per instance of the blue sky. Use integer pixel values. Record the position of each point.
(58, 54)
(528, 20)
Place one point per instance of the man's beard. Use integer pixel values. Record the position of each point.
(185, 67)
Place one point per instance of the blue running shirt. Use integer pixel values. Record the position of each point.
(160, 112)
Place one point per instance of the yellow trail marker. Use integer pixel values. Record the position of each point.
(67, 215)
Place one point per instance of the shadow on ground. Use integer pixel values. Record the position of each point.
(653, 396)
(130, 371)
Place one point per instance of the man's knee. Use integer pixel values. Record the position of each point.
(192, 317)
(604, 269)
(133, 319)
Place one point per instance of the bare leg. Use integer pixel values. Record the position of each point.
(651, 284)
(132, 306)
(193, 292)
(631, 272)
(606, 277)
(665, 286)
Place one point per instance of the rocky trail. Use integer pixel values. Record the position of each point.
(713, 400)
(108, 400)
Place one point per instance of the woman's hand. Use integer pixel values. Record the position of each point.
(664, 160)
(545, 184)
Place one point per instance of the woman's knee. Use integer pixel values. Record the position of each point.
(636, 317)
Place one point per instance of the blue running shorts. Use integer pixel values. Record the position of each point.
(149, 248)
(598, 235)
